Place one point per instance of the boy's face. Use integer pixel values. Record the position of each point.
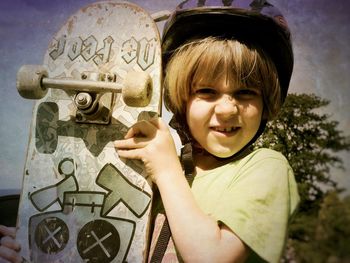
(223, 117)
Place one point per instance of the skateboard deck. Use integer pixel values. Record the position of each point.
(80, 202)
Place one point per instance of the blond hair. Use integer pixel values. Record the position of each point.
(209, 60)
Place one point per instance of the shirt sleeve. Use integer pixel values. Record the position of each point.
(257, 205)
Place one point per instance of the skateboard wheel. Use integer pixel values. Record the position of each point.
(137, 90)
(29, 81)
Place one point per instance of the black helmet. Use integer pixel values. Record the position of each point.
(256, 22)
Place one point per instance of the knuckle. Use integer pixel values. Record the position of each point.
(8, 242)
(14, 257)
(3, 240)
(8, 254)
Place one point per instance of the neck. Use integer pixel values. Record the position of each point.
(205, 161)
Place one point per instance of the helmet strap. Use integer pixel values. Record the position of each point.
(190, 146)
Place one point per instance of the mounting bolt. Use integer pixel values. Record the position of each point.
(83, 100)
(110, 77)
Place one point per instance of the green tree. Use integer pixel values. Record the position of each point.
(328, 234)
(310, 140)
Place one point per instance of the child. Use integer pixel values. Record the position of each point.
(228, 74)
(228, 67)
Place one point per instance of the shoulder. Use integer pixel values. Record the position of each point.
(263, 157)
(264, 165)
(265, 153)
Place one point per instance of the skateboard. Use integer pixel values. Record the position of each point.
(80, 202)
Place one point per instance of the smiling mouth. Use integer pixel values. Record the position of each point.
(226, 130)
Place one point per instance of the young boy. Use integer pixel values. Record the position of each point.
(228, 66)
(228, 74)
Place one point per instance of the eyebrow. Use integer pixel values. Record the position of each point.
(204, 84)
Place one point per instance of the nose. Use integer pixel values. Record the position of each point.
(226, 106)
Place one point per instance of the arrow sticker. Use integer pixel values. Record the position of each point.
(120, 189)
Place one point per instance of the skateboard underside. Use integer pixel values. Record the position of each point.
(80, 202)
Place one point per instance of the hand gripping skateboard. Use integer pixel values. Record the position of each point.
(80, 202)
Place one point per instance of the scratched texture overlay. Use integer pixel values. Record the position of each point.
(80, 202)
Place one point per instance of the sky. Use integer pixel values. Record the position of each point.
(321, 38)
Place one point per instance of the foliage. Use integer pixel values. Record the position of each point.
(311, 140)
(328, 234)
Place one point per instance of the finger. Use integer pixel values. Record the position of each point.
(9, 254)
(132, 143)
(129, 154)
(8, 231)
(10, 243)
(159, 124)
(141, 128)
(155, 120)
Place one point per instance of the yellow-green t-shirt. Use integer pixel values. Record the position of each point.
(255, 197)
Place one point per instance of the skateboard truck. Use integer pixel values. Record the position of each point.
(33, 83)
